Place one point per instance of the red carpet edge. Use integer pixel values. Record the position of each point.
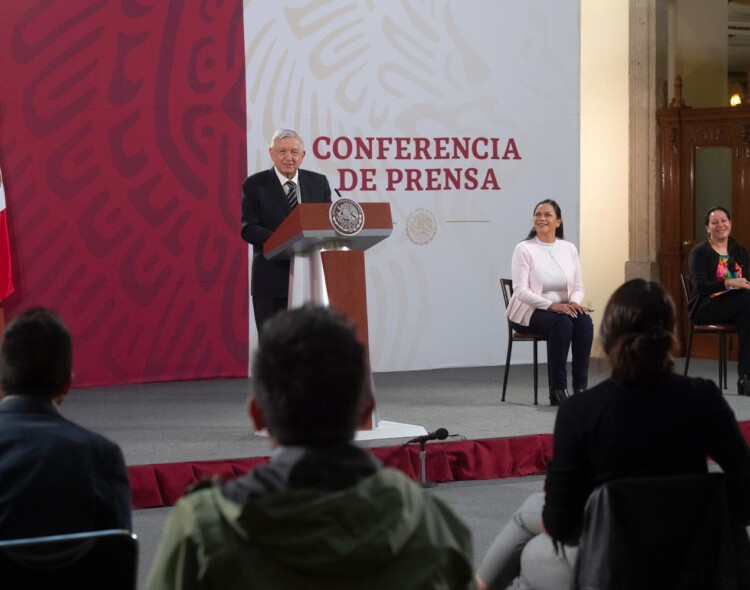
(162, 484)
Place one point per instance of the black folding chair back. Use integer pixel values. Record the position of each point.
(93, 560)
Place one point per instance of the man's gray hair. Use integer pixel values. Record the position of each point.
(283, 134)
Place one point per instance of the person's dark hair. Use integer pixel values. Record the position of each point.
(36, 356)
(309, 377)
(717, 208)
(637, 331)
(559, 232)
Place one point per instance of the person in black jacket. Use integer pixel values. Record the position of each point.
(643, 421)
(267, 198)
(58, 477)
(720, 268)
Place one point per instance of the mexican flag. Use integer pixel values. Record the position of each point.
(6, 272)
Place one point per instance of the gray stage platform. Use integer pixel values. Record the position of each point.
(204, 420)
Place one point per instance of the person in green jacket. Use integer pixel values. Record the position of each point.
(322, 513)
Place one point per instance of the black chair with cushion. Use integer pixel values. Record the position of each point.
(673, 532)
(721, 330)
(514, 336)
(83, 561)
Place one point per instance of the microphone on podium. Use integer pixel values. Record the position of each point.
(439, 434)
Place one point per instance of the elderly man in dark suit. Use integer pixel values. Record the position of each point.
(57, 477)
(267, 198)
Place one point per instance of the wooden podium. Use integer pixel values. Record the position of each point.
(327, 267)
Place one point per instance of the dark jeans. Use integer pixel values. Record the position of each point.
(562, 331)
(731, 308)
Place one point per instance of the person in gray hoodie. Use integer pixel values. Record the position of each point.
(322, 513)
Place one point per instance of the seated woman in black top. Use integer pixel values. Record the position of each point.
(720, 268)
(643, 421)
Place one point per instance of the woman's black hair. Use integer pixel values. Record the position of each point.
(637, 331)
(559, 232)
(716, 208)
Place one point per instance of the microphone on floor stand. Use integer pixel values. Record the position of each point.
(439, 434)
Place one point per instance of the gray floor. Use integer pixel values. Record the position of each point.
(184, 421)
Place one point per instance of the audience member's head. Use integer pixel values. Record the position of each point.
(309, 379)
(637, 331)
(37, 355)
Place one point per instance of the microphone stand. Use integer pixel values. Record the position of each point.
(422, 457)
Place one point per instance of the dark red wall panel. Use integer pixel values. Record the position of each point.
(122, 143)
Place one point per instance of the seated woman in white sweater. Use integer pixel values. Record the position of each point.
(547, 294)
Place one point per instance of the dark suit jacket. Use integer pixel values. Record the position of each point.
(264, 207)
(57, 477)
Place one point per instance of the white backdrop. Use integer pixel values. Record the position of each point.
(487, 72)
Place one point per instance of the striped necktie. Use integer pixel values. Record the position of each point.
(291, 193)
